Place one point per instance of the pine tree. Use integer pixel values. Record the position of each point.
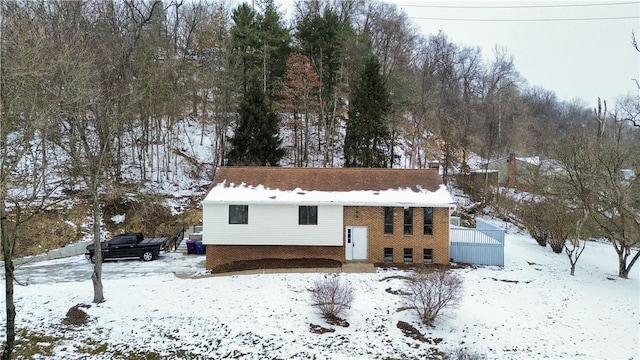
(244, 40)
(256, 141)
(368, 140)
(260, 44)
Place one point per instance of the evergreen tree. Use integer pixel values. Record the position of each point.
(275, 46)
(260, 44)
(256, 141)
(244, 41)
(368, 140)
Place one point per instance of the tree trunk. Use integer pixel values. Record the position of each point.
(7, 252)
(632, 262)
(7, 249)
(622, 259)
(96, 277)
(205, 115)
(622, 268)
(305, 145)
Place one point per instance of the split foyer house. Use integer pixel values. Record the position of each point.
(343, 214)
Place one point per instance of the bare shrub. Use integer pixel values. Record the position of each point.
(533, 220)
(549, 221)
(331, 296)
(432, 291)
(557, 243)
(76, 316)
(560, 222)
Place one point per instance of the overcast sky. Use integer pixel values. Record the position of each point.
(576, 59)
(583, 59)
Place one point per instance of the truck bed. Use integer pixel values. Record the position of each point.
(153, 241)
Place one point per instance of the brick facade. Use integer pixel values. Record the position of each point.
(224, 254)
(373, 218)
(370, 216)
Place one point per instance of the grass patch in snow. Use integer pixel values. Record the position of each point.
(404, 308)
(93, 347)
(30, 344)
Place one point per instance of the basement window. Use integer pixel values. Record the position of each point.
(388, 255)
(427, 256)
(408, 255)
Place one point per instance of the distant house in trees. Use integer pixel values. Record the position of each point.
(343, 214)
(516, 171)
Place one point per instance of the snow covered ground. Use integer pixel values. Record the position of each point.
(530, 309)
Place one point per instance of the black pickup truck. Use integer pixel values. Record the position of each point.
(130, 245)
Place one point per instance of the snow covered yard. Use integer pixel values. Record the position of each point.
(532, 308)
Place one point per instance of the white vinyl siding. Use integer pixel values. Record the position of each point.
(272, 225)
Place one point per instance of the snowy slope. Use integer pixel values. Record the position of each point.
(530, 309)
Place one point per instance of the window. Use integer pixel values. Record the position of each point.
(427, 256)
(308, 215)
(388, 254)
(408, 221)
(123, 240)
(408, 255)
(388, 220)
(238, 214)
(428, 221)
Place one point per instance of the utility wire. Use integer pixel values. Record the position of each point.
(515, 6)
(527, 20)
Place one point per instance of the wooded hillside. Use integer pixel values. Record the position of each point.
(105, 100)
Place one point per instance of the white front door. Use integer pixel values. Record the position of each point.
(356, 244)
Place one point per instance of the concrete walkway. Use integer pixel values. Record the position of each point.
(357, 267)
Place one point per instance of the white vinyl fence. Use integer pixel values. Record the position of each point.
(482, 245)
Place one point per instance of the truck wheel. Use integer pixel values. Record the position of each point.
(147, 256)
(93, 258)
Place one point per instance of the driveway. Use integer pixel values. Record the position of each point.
(78, 268)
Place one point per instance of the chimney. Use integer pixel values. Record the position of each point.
(511, 170)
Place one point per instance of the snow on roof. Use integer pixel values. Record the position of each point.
(476, 162)
(246, 194)
(483, 171)
(533, 160)
(330, 179)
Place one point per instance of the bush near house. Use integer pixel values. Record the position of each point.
(332, 297)
(432, 291)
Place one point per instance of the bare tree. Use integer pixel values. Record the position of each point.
(574, 248)
(601, 117)
(300, 100)
(628, 111)
(634, 42)
(24, 191)
(594, 178)
(500, 104)
(617, 207)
